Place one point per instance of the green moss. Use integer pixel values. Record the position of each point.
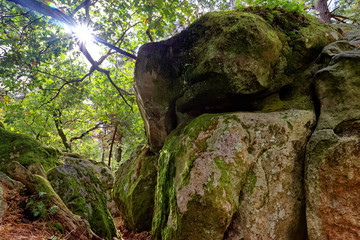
(25, 150)
(83, 193)
(203, 123)
(134, 190)
(176, 162)
(251, 181)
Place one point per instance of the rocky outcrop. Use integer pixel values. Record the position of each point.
(222, 59)
(333, 152)
(213, 174)
(25, 150)
(134, 189)
(80, 188)
(289, 146)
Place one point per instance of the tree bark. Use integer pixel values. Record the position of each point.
(112, 145)
(58, 125)
(323, 10)
(75, 227)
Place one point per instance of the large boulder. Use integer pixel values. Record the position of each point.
(134, 189)
(80, 188)
(234, 176)
(223, 58)
(25, 150)
(333, 152)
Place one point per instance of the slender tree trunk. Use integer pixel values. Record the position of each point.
(324, 13)
(58, 125)
(103, 154)
(112, 144)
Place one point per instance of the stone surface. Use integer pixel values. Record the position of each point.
(134, 190)
(103, 172)
(333, 152)
(223, 58)
(3, 203)
(9, 182)
(243, 170)
(78, 185)
(25, 150)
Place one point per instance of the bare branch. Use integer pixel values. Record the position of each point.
(66, 83)
(86, 133)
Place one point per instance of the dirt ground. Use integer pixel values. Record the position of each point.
(16, 226)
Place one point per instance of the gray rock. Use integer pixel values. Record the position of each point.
(78, 185)
(9, 182)
(333, 152)
(134, 189)
(221, 63)
(234, 176)
(3, 203)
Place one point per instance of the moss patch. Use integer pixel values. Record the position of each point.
(134, 190)
(181, 155)
(25, 150)
(83, 193)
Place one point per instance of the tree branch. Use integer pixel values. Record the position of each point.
(120, 91)
(86, 133)
(61, 17)
(66, 83)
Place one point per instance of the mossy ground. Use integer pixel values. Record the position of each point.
(25, 150)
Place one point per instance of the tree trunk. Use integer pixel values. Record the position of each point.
(323, 10)
(112, 145)
(58, 125)
(75, 227)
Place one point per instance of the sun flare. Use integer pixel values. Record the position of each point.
(82, 33)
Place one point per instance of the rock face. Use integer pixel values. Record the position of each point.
(242, 169)
(223, 58)
(333, 152)
(134, 190)
(78, 185)
(26, 150)
(3, 203)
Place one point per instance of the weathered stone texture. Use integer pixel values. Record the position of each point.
(79, 186)
(243, 169)
(134, 189)
(333, 152)
(223, 58)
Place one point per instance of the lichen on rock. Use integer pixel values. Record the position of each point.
(332, 159)
(223, 58)
(226, 164)
(79, 186)
(134, 189)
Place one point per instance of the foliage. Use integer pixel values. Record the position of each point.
(38, 208)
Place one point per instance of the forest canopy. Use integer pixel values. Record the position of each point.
(66, 66)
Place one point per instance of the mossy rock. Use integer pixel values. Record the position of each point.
(134, 190)
(25, 150)
(224, 58)
(213, 169)
(82, 191)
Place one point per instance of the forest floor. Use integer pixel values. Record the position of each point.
(15, 224)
